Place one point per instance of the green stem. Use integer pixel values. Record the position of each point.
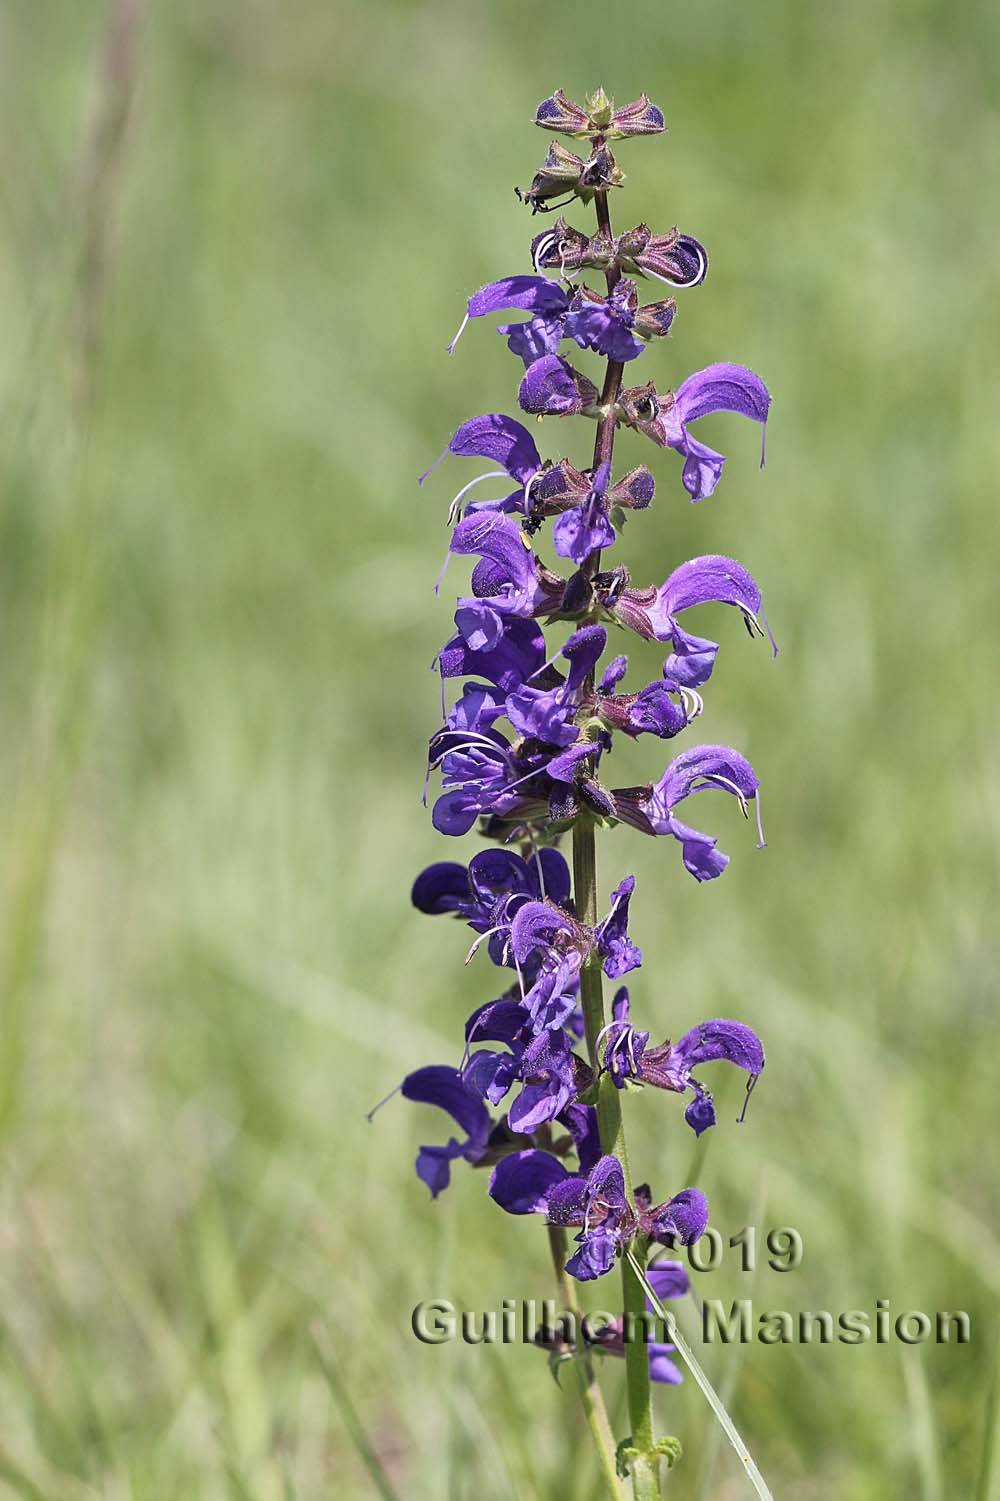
(644, 1469)
(591, 1398)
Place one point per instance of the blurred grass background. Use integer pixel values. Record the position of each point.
(235, 238)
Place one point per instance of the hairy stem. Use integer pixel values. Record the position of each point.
(591, 1398)
(645, 1468)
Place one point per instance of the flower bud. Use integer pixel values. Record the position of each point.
(654, 319)
(634, 491)
(678, 259)
(577, 594)
(640, 118)
(596, 797)
(560, 113)
(600, 109)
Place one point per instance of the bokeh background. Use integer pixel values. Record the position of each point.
(235, 239)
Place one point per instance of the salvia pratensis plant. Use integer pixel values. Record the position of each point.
(537, 1092)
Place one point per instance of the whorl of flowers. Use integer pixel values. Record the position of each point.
(524, 748)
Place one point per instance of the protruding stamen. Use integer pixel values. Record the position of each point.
(761, 841)
(455, 506)
(444, 569)
(441, 456)
(479, 941)
(600, 1038)
(383, 1101)
(717, 780)
(461, 331)
(471, 742)
(539, 867)
(692, 702)
(767, 628)
(751, 1085)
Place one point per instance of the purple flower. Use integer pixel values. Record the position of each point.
(488, 1073)
(651, 809)
(718, 388)
(627, 1055)
(681, 1220)
(548, 1068)
(583, 505)
(522, 1181)
(551, 387)
(581, 1123)
(651, 711)
(547, 713)
(503, 441)
(506, 581)
(549, 942)
(551, 939)
(488, 892)
(544, 299)
(516, 656)
(534, 1182)
(605, 324)
(668, 1279)
(586, 528)
(712, 579)
(613, 326)
(623, 1045)
(542, 1061)
(482, 773)
(619, 952)
(442, 1086)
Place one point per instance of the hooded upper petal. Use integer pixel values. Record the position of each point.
(696, 770)
(510, 571)
(712, 579)
(684, 1217)
(442, 887)
(581, 1123)
(718, 388)
(533, 294)
(443, 1086)
(733, 1041)
(500, 439)
(521, 1182)
(517, 654)
(722, 388)
(713, 765)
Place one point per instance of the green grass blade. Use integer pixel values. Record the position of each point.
(708, 1390)
(352, 1422)
(988, 1484)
